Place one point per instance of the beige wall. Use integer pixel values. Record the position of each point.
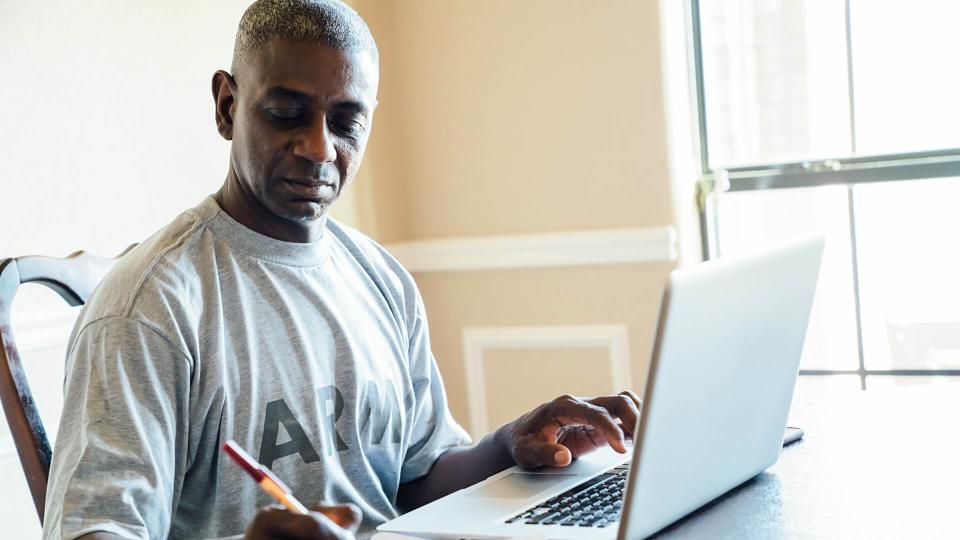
(503, 118)
(500, 117)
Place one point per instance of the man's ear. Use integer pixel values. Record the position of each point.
(224, 98)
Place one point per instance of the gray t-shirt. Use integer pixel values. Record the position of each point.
(314, 357)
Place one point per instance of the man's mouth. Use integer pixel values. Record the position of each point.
(313, 189)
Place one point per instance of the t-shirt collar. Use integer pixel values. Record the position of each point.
(259, 245)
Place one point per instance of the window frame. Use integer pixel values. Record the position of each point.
(847, 171)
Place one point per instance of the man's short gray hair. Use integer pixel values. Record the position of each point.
(326, 22)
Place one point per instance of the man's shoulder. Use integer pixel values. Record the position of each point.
(365, 249)
(163, 260)
(379, 264)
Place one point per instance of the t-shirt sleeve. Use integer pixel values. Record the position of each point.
(434, 428)
(123, 434)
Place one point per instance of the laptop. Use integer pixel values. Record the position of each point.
(719, 387)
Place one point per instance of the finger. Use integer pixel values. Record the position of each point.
(281, 523)
(347, 516)
(273, 521)
(532, 451)
(582, 440)
(634, 397)
(584, 413)
(623, 407)
(266, 518)
(316, 525)
(639, 403)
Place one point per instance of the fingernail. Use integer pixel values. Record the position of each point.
(560, 457)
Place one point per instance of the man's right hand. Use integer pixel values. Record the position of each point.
(337, 522)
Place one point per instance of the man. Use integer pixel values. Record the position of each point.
(255, 317)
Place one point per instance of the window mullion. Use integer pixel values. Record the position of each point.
(855, 264)
(850, 103)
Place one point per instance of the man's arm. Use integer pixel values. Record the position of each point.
(127, 390)
(457, 468)
(553, 434)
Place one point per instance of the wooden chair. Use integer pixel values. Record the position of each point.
(73, 278)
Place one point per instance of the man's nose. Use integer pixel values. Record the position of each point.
(316, 145)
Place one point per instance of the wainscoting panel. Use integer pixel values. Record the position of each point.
(602, 347)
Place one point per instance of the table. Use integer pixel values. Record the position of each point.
(876, 464)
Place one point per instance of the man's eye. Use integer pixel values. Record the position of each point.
(285, 113)
(350, 127)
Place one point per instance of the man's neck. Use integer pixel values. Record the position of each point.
(244, 208)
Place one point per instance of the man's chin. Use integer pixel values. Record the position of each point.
(306, 210)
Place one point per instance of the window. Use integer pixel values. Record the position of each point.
(839, 117)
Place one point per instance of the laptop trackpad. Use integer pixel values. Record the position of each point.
(520, 485)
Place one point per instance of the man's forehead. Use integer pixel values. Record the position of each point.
(310, 68)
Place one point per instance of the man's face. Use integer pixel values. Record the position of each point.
(301, 121)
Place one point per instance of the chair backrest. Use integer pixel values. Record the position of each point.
(74, 278)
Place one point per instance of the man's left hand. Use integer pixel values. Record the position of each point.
(568, 427)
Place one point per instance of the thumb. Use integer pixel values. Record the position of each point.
(347, 516)
(535, 452)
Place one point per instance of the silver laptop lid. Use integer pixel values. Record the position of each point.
(720, 383)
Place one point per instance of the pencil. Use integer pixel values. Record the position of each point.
(266, 479)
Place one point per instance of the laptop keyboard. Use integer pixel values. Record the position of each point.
(594, 503)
